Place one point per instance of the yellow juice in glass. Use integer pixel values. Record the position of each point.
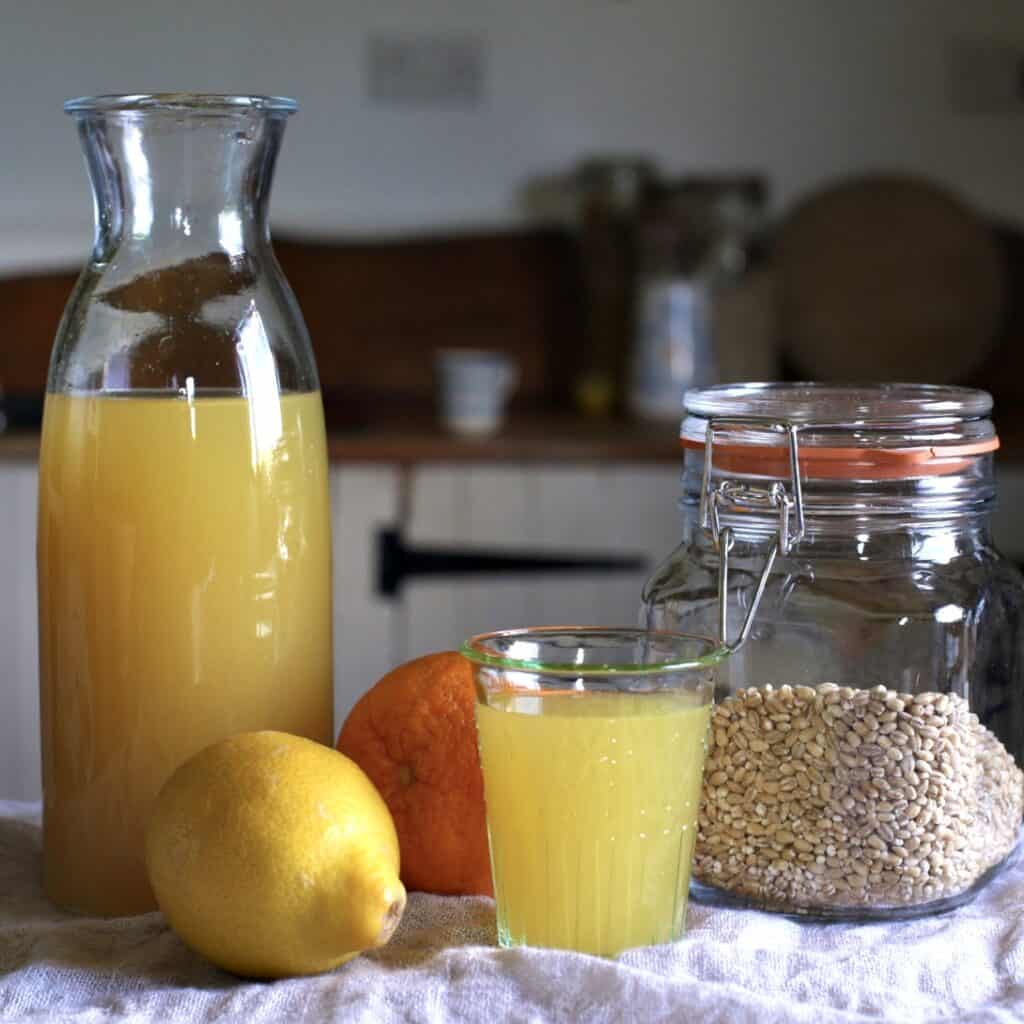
(184, 595)
(592, 802)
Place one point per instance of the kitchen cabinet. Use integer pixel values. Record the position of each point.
(19, 640)
(613, 512)
(586, 511)
(583, 510)
(1007, 519)
(573, 511)
(364, 501)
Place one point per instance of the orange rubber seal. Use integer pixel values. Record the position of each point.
(821, 463)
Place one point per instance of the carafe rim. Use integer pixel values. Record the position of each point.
(181, 102)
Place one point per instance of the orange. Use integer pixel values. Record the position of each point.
(414, 734)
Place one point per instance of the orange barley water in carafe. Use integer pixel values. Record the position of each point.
(184, 537)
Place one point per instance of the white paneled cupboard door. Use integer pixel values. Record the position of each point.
(611, 511)
(19, 639)
(364, 501)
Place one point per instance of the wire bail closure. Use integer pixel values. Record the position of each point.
(732, 494)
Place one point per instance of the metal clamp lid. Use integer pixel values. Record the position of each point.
(732, 494)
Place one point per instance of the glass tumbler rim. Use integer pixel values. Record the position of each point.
(475, 649)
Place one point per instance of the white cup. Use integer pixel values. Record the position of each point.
(473, 386)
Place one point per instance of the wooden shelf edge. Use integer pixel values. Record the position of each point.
(566, 440)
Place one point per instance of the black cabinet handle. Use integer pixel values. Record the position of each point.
(398, 561)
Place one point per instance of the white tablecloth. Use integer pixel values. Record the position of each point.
(443, 965)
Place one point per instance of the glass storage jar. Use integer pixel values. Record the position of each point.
(184, 532)
(869, 724)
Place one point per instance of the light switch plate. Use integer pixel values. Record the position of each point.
(426, 70)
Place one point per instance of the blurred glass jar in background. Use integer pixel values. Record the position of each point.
(695, 243)
(610, 192)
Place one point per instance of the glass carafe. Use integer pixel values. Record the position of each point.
(184, 537)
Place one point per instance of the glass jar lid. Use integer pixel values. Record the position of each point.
(785, 460)
(846, 431)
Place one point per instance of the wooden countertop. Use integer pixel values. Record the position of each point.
(19, 444)
(526, 438)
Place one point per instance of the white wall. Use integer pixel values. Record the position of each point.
(804, 89)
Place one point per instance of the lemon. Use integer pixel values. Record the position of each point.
(272, 855)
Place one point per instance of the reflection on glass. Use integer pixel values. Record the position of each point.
(141, 182)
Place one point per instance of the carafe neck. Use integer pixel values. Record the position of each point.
(170, 184)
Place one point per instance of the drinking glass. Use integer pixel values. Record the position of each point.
(592, 744)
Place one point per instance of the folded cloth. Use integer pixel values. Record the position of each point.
(733, 966)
